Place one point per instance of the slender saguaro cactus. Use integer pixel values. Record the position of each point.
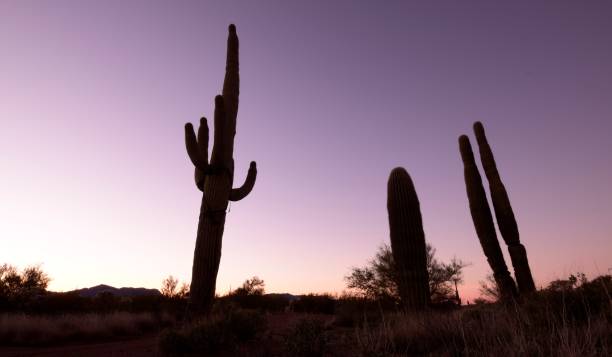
(504, 214)
(407, 240)
(483, 221)
(215, 179)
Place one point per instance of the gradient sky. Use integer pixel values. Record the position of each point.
(97, 187)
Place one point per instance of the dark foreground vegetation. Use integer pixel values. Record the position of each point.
(571, 317)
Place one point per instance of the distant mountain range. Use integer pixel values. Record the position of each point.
(287, 296)
(123, 292)
(130, 292)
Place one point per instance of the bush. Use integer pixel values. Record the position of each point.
(18, 290)
(314, 304)
(354, 310)
(268, 302)
(222, 330)
(378, 279)
(307, 338)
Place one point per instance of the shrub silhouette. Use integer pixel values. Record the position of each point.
(19, 289)
(171, 289)
(218, 331)
(215, 180)
(253, 286)
(407, 240)
(314, 304)
(378, 280)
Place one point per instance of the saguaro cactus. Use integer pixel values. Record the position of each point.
(215, 179)
(504, 214)
(407, 240)
(483, 221)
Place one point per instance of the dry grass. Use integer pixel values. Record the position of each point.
(485, 331)
(29, 330)
(568, 318)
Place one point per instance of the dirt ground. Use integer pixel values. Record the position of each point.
(141, 346)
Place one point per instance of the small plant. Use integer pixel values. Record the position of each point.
(307, 339)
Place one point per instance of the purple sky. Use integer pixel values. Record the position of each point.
(96, 184)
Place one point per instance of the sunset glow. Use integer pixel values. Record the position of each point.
(97, 187)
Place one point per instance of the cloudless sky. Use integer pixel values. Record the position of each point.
(96, 185)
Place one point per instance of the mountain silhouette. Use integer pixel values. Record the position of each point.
(122, 292)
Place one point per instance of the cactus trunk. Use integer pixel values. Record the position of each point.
(215, 180)
(407, 240)
(504, 214)
(483, 222)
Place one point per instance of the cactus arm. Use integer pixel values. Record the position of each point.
(504, 214)
(193, 149)
(483, 221)
(200, 176)
(203, 139)
(236, 194)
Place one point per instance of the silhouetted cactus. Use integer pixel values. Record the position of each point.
(483, 221)
(504, 214)
(215, 180)
(407, 240)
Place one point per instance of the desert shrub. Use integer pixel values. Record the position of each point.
(268, 302)
(60, 303)
(378, 279)
(253, 286)
(274, 302)
(222, 330)
(307, 338)
(353, 310)
(171, 289)
(19, 289)
(251, 296)
(575, 299)
(314, 304)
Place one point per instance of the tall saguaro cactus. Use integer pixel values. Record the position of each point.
(407, 240)
(483, 221)
(504, 214)
(215, 180)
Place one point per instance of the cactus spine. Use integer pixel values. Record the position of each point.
(504, 214)
(407, 240)
(483, 221)
(215, 180)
